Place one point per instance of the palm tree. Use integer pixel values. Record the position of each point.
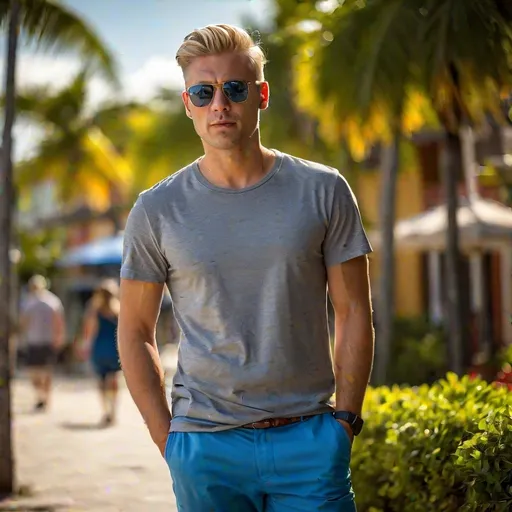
(364, 98)
(50, 25)
(284, 125)
(341, 83)
(457, 53)
(74, 154)
(6, 460)
(468, 64)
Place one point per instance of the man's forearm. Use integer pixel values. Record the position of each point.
(60, 330)
(145, 380)
(353, 359)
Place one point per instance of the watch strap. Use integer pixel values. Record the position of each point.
(355, 422)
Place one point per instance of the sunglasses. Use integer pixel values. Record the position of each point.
(202, 95)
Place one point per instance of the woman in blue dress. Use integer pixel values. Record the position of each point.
(100, 336)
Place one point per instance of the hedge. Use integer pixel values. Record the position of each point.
(445, 447)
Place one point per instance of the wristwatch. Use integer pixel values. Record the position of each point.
(355, 421)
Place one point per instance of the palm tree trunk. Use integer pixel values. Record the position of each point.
(7, 481)
(450, 165)
(386, 302)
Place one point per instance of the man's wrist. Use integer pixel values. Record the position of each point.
(160, 428)
(354, 421)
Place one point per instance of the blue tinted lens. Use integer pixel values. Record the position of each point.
(236, 90)
(201, 95)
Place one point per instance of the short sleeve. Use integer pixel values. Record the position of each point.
(143, 259)
(58, 307)
(345, 238)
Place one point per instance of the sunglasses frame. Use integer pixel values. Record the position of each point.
(221, 87)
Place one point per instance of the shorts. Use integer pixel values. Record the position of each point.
(40, 356)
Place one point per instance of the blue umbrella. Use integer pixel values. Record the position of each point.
(104, 251)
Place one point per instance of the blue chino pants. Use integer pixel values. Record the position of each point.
(302, 467)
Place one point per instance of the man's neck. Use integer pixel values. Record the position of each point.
(238, 168)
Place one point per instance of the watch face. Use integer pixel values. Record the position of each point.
(357, 426)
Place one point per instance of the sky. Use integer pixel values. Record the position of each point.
(143, 36)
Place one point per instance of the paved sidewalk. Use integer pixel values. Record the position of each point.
(72, 465)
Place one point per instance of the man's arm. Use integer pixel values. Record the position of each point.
(89, 331)
(349, 290)
(59, 328)
(140, 360)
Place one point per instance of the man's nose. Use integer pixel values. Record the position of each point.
(219, 101)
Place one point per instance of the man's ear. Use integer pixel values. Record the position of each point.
(264, 95)
(185, 99)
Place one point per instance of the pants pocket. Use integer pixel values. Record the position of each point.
(341, 433)
(169, 445)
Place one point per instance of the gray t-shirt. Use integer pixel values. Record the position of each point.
(38, 311)
(246, 270)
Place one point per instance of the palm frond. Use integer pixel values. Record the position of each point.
(62, 110)
(5, 8)
(47, 164)
(111, 111)
(29, 103)
(457, 53)
(104, 160)
(166, 135)
(371, 57)
(114, 119)
(96, 192)
(54, 26)
(170, 97)
(467, 56)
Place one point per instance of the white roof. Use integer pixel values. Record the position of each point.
(482, 223)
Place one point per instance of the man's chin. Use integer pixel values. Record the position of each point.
(223, 144)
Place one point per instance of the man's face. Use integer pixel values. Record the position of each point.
(225, 124)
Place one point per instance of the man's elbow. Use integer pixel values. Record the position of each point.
(353, 310)
(129, 335)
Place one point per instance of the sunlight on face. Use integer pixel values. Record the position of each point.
(224, 124)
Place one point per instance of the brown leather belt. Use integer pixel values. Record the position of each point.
(276, 422)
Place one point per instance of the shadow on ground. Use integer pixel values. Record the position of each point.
(18, 502)
(83, 426)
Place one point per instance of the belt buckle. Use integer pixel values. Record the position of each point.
(262, 424)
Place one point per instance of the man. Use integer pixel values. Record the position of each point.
(42, 323)
(247, 240)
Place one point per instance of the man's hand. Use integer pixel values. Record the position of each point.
(347, 428)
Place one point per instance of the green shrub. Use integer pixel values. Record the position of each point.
(418, 352)
(442, 448)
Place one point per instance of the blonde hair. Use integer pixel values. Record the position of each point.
(106, 296)
(217, 39)
(37, 283)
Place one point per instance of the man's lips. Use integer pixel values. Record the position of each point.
(223, 123)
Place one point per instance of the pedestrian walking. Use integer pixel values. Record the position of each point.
(248, 240)
(43, 329)
(100, 344)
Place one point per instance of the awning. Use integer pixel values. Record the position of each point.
(482, 223)
(103, 251)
